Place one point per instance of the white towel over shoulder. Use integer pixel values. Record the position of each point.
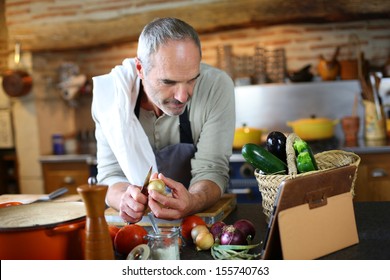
(115, 96)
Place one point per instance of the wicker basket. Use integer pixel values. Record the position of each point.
(269, 184)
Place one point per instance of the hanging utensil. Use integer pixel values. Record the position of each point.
(17, 82)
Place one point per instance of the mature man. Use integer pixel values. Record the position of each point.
(168, 110)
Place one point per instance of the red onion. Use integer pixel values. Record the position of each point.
(232, 236)
(246, 227)
(216, 229)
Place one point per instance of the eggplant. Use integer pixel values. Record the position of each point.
(276, 144)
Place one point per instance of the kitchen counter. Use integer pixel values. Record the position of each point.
(372, 220)
(362, 147)
(369, 147)
(87, 158)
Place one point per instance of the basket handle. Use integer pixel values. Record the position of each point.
(290, 153)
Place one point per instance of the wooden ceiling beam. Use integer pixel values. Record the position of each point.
(206, 18)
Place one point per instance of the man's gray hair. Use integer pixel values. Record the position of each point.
(159, 32)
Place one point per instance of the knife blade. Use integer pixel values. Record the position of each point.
(144, 189)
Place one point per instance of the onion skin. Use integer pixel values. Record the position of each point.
(246, 227)
(216, 229)
(232, 236)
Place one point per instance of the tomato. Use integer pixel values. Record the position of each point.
(113, 230)
(188, 223)
(129, 237)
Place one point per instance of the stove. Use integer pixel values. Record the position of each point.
(243, 181)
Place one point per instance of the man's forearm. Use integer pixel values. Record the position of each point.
(115, 193)
(206, 193)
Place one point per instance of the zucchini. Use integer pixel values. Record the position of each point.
(263, 160)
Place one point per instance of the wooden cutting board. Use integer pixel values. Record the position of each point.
(217, 212)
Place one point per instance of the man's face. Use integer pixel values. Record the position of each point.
(170, 82)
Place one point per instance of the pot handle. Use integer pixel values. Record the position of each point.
(8, 204)
(66, 228)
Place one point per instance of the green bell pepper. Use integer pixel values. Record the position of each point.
(305, 157)
(304, 162)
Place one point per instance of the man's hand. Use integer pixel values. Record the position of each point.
(132, 204)
(128, 200)
(182, 202)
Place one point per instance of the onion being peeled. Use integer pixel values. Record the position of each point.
(232, 236)
(246, 227)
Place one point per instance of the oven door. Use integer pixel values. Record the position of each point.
(243, 183)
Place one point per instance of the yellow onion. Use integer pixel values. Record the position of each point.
(204, 241)
(198, 229)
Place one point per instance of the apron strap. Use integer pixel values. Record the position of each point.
(184, 122)
(185, 128)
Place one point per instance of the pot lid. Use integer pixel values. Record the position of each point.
(40, 214)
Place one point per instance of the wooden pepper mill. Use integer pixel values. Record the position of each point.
(98, 244)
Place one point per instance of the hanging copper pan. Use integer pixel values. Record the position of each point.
(17, 82)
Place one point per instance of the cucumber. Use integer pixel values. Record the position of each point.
(263, 160)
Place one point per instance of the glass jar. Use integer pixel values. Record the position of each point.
(58, 143)
(165, 245)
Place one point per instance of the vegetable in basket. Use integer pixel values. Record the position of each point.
(276, 144)
(263, 160)
(305, 158)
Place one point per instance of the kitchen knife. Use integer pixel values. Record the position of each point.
(144, 189)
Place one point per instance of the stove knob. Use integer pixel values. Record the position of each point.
(247, 170)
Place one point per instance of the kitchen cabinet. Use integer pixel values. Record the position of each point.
(373, 181)
(65, 174)
(9, 173)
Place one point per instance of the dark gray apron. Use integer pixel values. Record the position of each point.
(174, 161)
